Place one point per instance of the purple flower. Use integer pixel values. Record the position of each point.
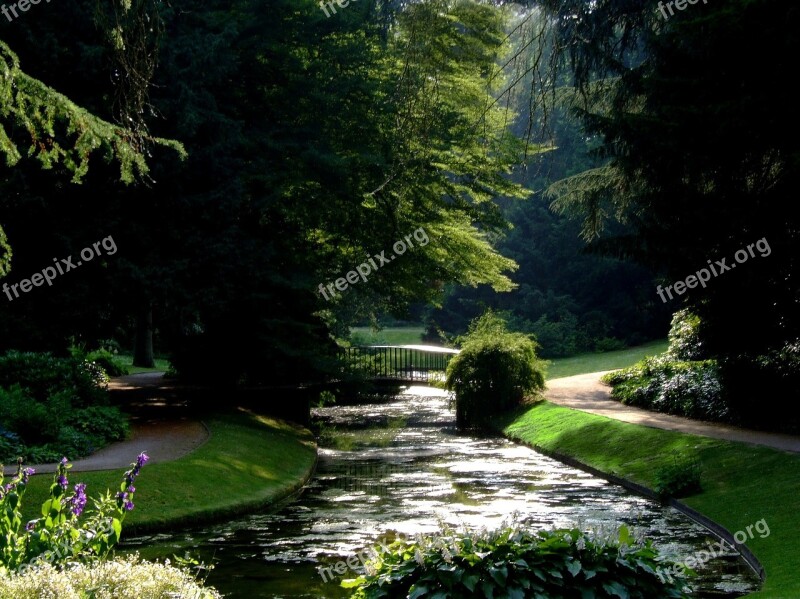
(142, 460)
(26, 474)
(129, 505)
(64, 461)
(30, 525)
(62, 481)
(78, 501)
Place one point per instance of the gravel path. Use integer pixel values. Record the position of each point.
(585, 392)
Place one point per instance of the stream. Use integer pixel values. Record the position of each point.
(401, 467)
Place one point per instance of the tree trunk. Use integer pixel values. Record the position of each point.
(143, 350)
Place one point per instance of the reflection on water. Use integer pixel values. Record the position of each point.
(401, 468)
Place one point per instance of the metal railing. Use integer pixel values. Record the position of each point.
(412, 363)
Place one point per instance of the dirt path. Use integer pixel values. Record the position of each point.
(161, 429)
(585, 392)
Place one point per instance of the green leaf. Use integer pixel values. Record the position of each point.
(616, 589)
(51, 507)
(500, 575)
(470, 580)
(625, 536)
(574, 567)
(417, 591)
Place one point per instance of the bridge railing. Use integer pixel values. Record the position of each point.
(414, 363)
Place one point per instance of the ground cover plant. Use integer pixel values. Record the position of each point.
(515, 563)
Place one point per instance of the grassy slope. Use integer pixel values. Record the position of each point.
(742, 484)
(605, 361)
(248, 461)
(390, 336)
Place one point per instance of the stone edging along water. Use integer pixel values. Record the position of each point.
(715, 528)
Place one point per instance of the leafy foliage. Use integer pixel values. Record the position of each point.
(685, 341)
(495, 371)
(661, 384)
(52, 406)
(514, 563)
(43, 375)
(58, 131)
(101, 357)
(777, 371)
(60, 536)
(680, 95)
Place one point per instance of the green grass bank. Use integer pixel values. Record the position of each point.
(249, 461)
(742, 484)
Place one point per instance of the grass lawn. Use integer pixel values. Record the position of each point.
(249, 461)
(162, 365)
(606, 361)
(389, 336)
(741, 484)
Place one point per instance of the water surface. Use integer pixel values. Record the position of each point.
(400, 467)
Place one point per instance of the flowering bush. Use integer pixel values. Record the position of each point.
(515, 563)
(60, 536)
(120, 577)
(684, 337)
(690, 389)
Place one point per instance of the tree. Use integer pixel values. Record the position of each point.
(702, 147)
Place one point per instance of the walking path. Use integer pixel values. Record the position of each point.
(168, 439)
(585, 392)
(163, 439)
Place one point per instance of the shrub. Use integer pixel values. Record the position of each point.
(494, 372)
(684, 337)
(28, 418)
(43, 375)
(690, 389)
(679, 479)
(102, 423)
(105, 359)
(514, 563)
(112, 579)
(747, 377)
(55, 407)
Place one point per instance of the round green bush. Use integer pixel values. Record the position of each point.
(494, 372)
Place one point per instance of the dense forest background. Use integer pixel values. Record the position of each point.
(561, 156)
